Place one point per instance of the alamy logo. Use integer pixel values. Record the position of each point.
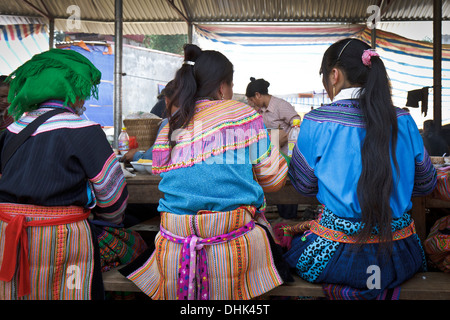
(73, 277)
(210, 144)
(74, 20)
(375, 16)
(374, 280)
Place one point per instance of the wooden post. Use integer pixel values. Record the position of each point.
(118, 25)
(51, 33)
(374, 38)
(418, 213)
(190, 27)
(437, 63)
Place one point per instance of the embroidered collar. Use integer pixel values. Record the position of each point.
(217, 128)
(56, 104)
(203, 99)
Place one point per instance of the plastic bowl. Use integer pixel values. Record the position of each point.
(148, 167)
(139, 167)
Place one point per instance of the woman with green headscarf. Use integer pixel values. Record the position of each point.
(65, 171)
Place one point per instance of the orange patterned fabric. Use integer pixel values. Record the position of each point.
(437, 244)
(339, 236)
(239, 269)
(52, 241)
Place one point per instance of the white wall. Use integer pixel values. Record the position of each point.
(145, 69)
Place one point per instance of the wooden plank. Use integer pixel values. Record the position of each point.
(427, 286)
(113, 280)
(423, 286)
(288, 195)
(143, 188)
(436, 203)
(148, 225)
(298, 288)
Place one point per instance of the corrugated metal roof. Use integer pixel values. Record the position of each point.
(159, 17)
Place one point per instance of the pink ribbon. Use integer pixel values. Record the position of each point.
(367, 56)
(193, 270)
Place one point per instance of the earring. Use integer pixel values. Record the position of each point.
(334, 92)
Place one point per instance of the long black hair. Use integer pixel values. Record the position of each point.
(200, 76)
(376, 182)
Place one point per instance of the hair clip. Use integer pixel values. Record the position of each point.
(367, 56)
(189, 62)
(342, 50)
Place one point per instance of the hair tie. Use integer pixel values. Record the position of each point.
(189, 62)
(367, 56)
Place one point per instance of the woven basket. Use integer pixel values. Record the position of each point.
(145, 131)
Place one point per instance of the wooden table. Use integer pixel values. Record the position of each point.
(143, 188)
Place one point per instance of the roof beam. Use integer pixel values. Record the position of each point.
(384, 6)
(32, 6)
(185, 18)
(49, 16)
(181, 14)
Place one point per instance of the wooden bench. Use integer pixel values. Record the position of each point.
(151, 225)
(423, 286)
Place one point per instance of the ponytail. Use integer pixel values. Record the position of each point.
(184, 95)
(200, 76)
(377, 177)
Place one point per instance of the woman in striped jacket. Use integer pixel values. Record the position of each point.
(216, 161)
(65, 171)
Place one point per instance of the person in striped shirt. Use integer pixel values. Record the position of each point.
(277, 113)
(216, 162)
(65, 172)
(280, 115)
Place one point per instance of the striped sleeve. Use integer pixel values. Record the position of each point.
(425, 178)
(302, 175)
(104, 174)
(271, 170)
(110, 191)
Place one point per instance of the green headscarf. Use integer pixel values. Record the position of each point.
(55, 74)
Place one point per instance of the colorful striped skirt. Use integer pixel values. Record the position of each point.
(437, 244)
(58, 242)
(238, 266)
(328, 253)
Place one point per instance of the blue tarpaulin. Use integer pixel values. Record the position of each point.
(101, 110)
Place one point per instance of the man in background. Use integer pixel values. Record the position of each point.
(434, 143)
(5, 118)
